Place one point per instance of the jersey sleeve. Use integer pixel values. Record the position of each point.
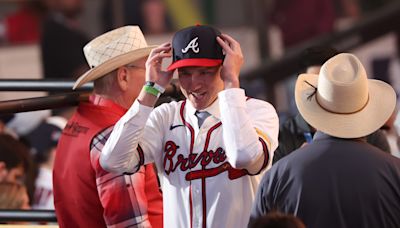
(135, 140)
(250, 130)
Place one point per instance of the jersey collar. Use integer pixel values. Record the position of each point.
(213, 109)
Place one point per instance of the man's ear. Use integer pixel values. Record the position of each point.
(122, 78)
(3, 171)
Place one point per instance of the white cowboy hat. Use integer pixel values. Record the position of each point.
(341, 101)
(111, 50)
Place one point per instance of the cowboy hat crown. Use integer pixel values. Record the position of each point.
(341, 101)
(111, 50)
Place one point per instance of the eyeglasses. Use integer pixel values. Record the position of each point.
(133, 66)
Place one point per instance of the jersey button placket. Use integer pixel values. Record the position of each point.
(196, 184)
(197, 204)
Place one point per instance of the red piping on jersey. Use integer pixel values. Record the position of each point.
(266, 156)
(188, 126)
(209, 135)
(141, 159)
(236, 173)
(191, 151)
(141, 156)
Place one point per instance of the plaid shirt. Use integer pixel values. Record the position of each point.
(122, 196)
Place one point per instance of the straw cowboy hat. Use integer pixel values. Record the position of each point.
(341, 101)
(111, 50)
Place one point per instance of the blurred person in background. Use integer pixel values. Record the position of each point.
(13, 159)
(16, 163)
(13, 196)
(390, 131)
(43, 141)
(24, 122)
(155, 15)
(24, 25)
(62, 40)
(150, 15)
(4, 129)
(276, 219)
(317, 18)
(86, 195)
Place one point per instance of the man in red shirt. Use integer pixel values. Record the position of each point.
(85, 195)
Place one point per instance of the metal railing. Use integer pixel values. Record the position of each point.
(42, 85)
(28, 215)
(72, 98)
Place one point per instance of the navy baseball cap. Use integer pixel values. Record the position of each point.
(196, 46)
(42, 139)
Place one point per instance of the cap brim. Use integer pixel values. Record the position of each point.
(112, 64)
(194, 62)
(380, 106)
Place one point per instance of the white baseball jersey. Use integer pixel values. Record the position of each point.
(210, 174)
(43, 198)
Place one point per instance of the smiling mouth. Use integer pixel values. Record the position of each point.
(198, 95)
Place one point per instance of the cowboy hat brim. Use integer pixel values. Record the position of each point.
(112, 64)
(380, 106)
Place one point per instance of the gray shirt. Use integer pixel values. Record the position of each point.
(333, 183)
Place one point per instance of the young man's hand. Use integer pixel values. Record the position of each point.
(154, 73)
(233, 61)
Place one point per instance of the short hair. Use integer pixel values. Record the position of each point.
(317, 55)
(12, 195)
(278, 220)
(13, 152)
(105, 84)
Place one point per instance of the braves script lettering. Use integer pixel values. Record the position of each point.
(193, 44)
(185, 163)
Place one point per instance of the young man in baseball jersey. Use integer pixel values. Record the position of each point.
(85, 195)
(211, 148)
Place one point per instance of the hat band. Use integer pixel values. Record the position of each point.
(336, 112)
(315, 94)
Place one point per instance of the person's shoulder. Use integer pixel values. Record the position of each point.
(299, 155)
(281, 169)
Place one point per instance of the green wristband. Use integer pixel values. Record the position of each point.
(151, 90)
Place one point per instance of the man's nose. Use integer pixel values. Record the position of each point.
(197, 81)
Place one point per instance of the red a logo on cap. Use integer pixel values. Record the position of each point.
(193, 44)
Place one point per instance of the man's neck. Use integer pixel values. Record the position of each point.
(119, 100)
